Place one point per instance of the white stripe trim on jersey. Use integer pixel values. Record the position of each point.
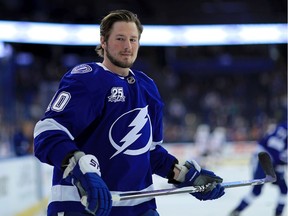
(66, 193)
(282, 199)
(132, 202)
(50, 124)
(154, 144)
(61, 193)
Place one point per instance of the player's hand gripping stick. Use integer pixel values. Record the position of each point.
(84, 172)
(191, 174)
(264, 159)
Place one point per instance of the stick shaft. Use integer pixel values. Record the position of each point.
(191, 189)
(264, 160)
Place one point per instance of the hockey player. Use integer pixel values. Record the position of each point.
(275, 143)
(102, 132)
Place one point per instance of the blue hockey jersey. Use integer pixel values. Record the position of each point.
(117, 119)
(275, 143)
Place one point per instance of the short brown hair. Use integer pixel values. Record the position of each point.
(116, 16)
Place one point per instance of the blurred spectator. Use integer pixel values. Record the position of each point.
(202, 136)
(23, 139)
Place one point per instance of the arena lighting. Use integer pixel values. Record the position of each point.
(2, 49)
(153, 35)
(5, 50)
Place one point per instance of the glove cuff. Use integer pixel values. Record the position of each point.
(77, 155)
(89, 164)
(73, 160)
(183, 170)
(192, 163)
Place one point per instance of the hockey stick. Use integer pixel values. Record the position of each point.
(265, 162)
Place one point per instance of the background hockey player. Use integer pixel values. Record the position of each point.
(275, 143)
(102, 132)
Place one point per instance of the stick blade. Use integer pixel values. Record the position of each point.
(267, 166)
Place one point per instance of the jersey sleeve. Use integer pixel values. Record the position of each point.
(161, 161)
(156, 106)
(70, 112)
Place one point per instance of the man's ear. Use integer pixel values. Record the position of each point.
(102, 41)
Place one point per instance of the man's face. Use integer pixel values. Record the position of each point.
(122, 46)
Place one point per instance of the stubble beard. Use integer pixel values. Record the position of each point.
(117, 63)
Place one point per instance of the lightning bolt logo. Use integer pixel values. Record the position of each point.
(137, 125)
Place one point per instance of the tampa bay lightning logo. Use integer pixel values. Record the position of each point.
(135, 138)
(81, 69)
